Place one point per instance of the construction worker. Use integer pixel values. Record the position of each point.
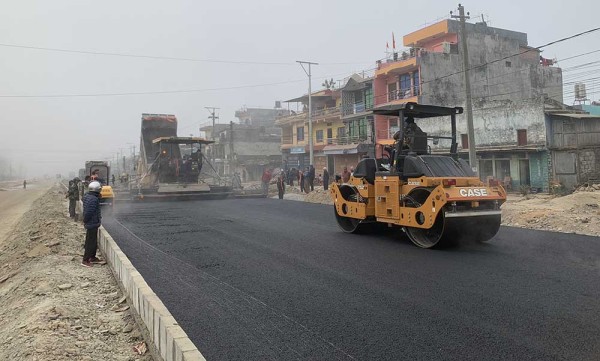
(73, 195)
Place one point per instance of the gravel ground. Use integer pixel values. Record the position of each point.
(52, 308)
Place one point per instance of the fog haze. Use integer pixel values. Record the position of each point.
(48, 135)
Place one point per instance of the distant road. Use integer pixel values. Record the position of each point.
(15, 201)
(263, 279)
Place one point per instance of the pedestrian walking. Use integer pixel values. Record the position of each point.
(24, 184)
(92, 218)
(311, 177)
(281, 185)
(73, 195)
(266, 179)
(113, 180)
(325, 178)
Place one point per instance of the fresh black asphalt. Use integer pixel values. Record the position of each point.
(264, 279)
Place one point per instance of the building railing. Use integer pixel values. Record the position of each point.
(303, 116)
(400, 94)
(342, 140)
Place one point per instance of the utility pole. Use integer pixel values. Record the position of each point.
(212, 116)
(310, 135)
(469, 105)
(231, 154)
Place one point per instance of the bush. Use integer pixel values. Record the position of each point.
(558, 189)
(525, 190)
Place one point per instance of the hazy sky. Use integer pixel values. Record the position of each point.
(57, 134)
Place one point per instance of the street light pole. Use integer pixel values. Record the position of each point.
(310, 135)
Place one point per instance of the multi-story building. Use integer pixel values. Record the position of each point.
(357, 115)
(246, 147)
(261, 117)
(510, 83)
(327, 126)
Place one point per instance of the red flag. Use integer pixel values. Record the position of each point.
(393, 41)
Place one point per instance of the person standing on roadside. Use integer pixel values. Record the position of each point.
(266, 179)
(325, 178)
(73, 195)
(85, 185)
(311, 177)
(345, 175)
(306, 176)
(281, 185)
(92, 217)
(25, 184)
(301, 180)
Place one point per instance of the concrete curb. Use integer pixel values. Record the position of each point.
(170, 340)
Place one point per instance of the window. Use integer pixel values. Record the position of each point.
(320, 136)
(369, 98)
(464, 139)
(508, 64)
(329, 135)
(300, 134)
(341, 132)
(521, 136)
(362, 129)
(405, 86)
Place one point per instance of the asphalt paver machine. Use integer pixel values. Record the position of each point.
(172, 167)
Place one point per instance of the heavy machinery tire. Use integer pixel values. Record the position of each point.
(347, 224)
(421, 237)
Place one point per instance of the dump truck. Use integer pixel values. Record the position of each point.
(101, 169)
(172, 167)
(436, 199)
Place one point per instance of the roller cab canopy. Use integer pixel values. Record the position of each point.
(182, 140)
(416, 110)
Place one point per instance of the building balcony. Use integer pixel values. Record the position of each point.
(405, 63)
(357, 108)
(291, 119)
(317, 116)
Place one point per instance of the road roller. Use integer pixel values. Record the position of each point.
(436, 199)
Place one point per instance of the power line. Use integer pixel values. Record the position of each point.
(513, 55)
(577, 56)
(267, 84)
(149, 92)
(71, 51)
(165, 91)
(102, 53)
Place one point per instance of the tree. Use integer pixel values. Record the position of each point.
(329, 84)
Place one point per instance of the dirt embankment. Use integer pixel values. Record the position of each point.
(52, 308)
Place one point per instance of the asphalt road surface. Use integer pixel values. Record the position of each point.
(264, 279)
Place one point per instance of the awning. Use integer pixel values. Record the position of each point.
(341, 149)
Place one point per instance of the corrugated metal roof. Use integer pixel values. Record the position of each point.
(576, 115)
